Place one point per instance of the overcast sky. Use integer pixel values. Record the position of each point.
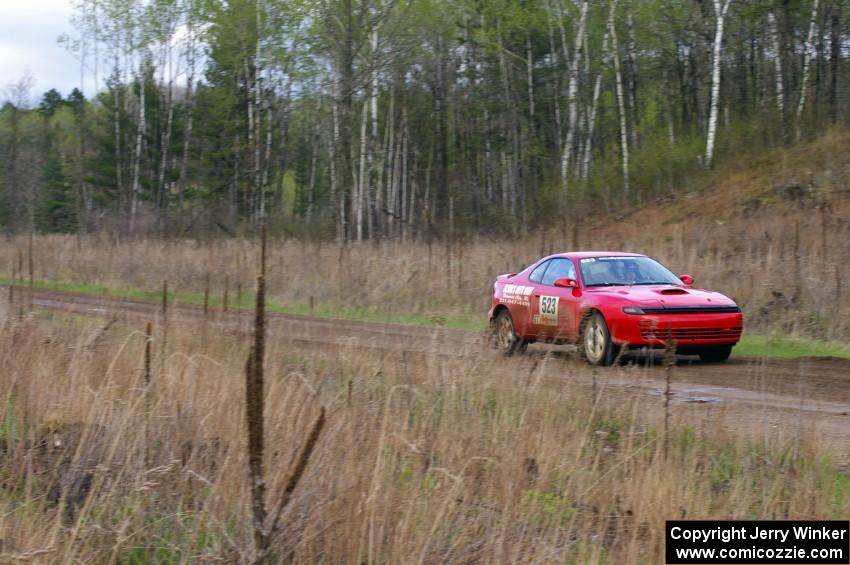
(28, 33)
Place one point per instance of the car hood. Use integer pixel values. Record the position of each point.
(664, 295)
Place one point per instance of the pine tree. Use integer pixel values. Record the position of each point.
(50, 102)
(77, 102)
(57, 210)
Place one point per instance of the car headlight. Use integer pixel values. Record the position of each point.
(633, 310)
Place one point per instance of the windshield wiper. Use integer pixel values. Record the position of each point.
(605, 284)
(653, 282)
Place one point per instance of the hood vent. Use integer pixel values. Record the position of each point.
(669, 291)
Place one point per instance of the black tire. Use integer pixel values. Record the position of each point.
(717, 354)
(503, 335)
(595, 344)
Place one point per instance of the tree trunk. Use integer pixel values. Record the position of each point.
(361, 180)
(345, 173)
(441, 195)
(189, 111)
(555, 83)
(140, 132)
(834, 56)
(374, 144)
(633, 87)
(406, 219)
(720, 8)
(621, 106)
(266, 161)
(572, 91)
(116, 130)
(391, 169)
(780, 90)
(257, 118)
(807, 59)
(591, 122)
(314, 158)
(165, 144)
(334, 150)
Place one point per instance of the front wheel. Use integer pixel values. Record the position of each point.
(596, 346)
(504, 337)
(717, 354)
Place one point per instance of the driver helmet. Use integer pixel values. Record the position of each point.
(631, 271)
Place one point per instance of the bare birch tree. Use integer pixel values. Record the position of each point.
(621, 106)
(594, 105)
(807, 60)
(572, 91)
(720, 9)
(777, 54)
(191, 55)
(141, 129)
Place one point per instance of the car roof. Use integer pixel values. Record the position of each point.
(583, 254)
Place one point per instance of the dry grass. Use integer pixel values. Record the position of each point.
(786, 265)
(467, 459)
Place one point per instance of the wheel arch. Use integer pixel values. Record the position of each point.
(498, 310)
(612, 322)
(589, 311)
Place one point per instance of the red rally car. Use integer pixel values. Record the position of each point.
(608, 300)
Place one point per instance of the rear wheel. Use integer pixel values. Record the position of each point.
(504, 335)
(596, 346)
(717, 354)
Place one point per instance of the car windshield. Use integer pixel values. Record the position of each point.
(616, 271)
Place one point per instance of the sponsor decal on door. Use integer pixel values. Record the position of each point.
(516, 294)
(548, 315)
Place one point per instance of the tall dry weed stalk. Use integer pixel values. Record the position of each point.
(11, 307)
(21, 284)
(265, 526)
(300, 466)
(206, 295)
(226, 296)
(254, 412)
(147, 391)
(164, 316)
(669, 364)
(147, 365)
(31, 261)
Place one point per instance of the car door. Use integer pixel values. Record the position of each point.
(535, 279)
(554, 307)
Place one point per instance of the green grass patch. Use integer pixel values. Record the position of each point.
(789, 347)
(367, 315)
(246, 301)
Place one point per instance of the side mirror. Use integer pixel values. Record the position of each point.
(687, 279)
(566, 282)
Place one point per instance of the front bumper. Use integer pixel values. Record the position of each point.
(687, 330)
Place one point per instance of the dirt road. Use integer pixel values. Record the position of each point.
(782, 395)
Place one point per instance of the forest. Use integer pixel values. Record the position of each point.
(355, 120)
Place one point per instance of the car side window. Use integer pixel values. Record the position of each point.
(537, 274)
(559, 269)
